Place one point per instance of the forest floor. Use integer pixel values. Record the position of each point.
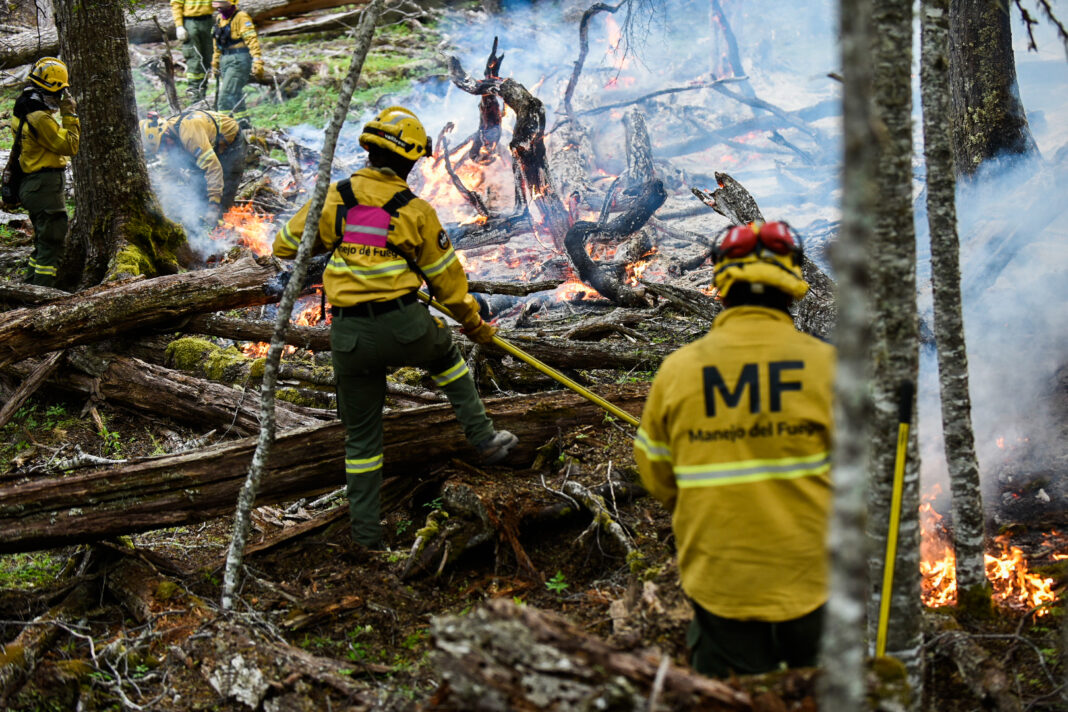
(355, 609)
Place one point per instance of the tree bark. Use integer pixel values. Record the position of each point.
(895, 338)
(964, 480)
(842, 647)
(119, 228)
(108, 310)
(187, 488)
(988, 119)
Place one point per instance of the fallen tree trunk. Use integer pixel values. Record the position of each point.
(110, 309)
(182, 489)
(143, 25)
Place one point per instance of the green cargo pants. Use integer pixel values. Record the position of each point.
(42, 195)
(722, 646)
(197, 50)
(362, 349)
(235, 69)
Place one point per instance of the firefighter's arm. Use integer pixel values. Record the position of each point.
(652, 451)
(176, 12)
(247, 32)
(442, 267)
(61, 140)
(287, 240)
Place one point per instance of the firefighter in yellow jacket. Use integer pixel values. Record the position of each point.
(735, 440)
(208, 143)
(384, 243)
(192, 27)
(237, 57)
(47, 146)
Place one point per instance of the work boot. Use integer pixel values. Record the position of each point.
(496, 448)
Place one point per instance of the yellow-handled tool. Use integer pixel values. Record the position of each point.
(905, 392)
(545, 368)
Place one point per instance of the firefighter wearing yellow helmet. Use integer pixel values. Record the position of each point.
(735, 440)
(209, 146)
(383, 243)
(46, 147)
(192, 27)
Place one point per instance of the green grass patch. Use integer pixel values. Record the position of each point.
(29, 570)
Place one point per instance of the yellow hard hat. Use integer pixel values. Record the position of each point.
(398, 130)
(152, 130)
(759, 253)
(50, 74)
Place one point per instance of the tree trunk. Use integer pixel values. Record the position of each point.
(176, 490)
(842, 648)
(118, 228)
(108, 310)
(957, 430)
(988, 119)
(895, 342)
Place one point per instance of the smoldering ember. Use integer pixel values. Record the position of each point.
(186, 486)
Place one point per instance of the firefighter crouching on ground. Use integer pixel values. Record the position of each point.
(209, 142)
(192, 27)
(46, 150)
(237, 57)
(384, 242)
(735, 440)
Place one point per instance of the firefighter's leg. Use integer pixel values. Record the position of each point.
(722, 646)
(42, 196)
(233, 165)
(197, 51)
(236, 70)
(361, 391)
(426, 342)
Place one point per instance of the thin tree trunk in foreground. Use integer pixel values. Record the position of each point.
(895, 343)
(964, 481)
(842, 686)
(242, 518)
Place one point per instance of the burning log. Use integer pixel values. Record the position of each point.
(608, 279)
(484, 146)
(186, 488)
(115, 308)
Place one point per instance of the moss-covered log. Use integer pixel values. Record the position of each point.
(192, 487)
(112, 309)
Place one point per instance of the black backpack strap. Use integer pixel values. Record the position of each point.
(398, 201)
(181, 117)
(344, 189)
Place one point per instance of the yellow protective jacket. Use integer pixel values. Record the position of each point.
(735, 439)
(359, 273)
(182, 9)
(48, 145)
(196, 133)
(242, 34)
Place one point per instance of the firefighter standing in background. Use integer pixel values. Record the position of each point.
(384, 243)
(735, 440)
(192, 27)
(210, 143)
(236, 58)
(46, 150)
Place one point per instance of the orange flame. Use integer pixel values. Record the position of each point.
(309, 316)
(1006, 569)
(252, 228)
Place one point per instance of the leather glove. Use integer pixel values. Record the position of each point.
(257, 69)
(181, 33)
(67, 105)
(481, 334)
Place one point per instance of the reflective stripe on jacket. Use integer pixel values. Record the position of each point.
(181, 9)
(735, 438)
(359, 273)
(48, 145)
(242, 34)
(197, 135)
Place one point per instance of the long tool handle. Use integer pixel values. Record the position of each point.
(905, 394)
(546, 369)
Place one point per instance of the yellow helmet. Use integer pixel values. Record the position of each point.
(152, 130)
(398, 130)
(759, 253)
(50, 74)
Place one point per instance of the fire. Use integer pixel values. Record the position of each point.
(1014, 586)
(636, 269)
(308, 316)
(573, 289)
(252, 228)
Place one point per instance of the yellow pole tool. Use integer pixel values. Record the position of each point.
(545, 368)
(905, 392)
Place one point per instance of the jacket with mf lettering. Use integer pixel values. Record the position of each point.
(735, 439)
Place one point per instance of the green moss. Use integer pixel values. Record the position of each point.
(891, 683)
(976, 602)
(167, 590)
(195, 354)
(29, 570)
